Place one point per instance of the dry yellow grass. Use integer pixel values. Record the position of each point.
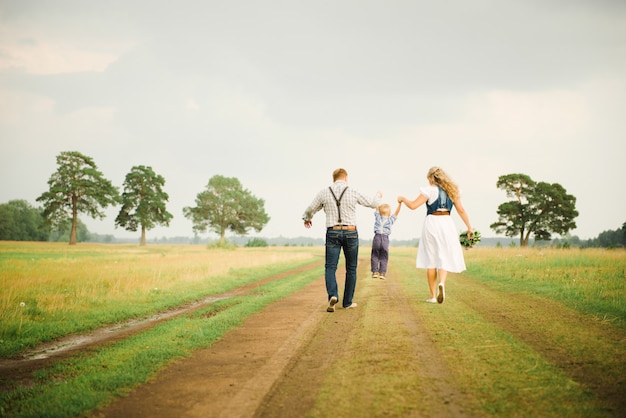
(59, 278)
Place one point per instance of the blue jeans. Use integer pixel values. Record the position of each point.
(335, 241)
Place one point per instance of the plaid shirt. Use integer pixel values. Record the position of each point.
(350, 199)
(383, 224)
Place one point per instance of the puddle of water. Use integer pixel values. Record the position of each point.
(78, 341)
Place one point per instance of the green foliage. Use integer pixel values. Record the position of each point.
(610, 239)
(143, 201)
(226, 206)
(63, 232)
(222, 245)
(539, 208)
(469, 242)
(256, 242)
(76, 187)
(19, 221)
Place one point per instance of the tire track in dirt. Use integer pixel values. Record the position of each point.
(21, 368)
(230, 378)
(444, 398)
(594, 355)
(296, 393)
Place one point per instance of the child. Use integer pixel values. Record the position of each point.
(380, 245)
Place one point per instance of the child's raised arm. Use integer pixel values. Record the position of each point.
(398, 209)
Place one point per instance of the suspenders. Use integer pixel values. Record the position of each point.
(338, 201)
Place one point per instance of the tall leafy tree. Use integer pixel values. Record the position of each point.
(143, 201)
(226, 205)
(76, 187)
(538, 208)
(19, 221)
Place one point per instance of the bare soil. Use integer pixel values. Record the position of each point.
(275, 363)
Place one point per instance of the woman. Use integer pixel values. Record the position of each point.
(439, 249)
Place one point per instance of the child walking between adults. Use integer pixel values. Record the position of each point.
(439, 250)
(383, 221)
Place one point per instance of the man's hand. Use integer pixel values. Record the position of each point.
(307, 224)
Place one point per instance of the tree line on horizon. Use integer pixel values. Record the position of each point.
(538, 209)
(77, 186)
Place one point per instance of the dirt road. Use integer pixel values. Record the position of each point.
(277, 362)
(274, 364)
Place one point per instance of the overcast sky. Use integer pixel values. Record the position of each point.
(280, 93)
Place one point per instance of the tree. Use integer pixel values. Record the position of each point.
(539, 208)
(76, 187)
(143, 201)
(225, 205)
(19, 221)
(64, 230)
(611, 239)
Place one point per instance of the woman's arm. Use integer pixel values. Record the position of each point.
(463, 214)
(414, 204)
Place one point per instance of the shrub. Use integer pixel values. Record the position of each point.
(256, 242)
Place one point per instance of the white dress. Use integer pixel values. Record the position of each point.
(439, 246)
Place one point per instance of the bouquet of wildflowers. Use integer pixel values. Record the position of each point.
(468, 242)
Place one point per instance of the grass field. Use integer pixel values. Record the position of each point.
(514, 324)
(52, 290)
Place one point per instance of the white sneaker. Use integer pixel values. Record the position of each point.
(442, 294)
(431, 300)
(352, 305)
(374, 275)
(331, 304)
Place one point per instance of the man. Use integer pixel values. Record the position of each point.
(339, 203)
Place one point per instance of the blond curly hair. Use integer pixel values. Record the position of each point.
(441, 179)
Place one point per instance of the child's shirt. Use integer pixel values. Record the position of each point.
(383, 224)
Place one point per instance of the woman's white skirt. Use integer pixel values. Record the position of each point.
(439, 246)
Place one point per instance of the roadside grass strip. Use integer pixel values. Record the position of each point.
(591, 280)
(496, 367)
(74, 386)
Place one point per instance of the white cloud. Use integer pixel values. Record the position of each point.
(51, 58)
(191, 104)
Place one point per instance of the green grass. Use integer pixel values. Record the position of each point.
(589, 280)
(507, 346)
(49, 291)
(79, 384)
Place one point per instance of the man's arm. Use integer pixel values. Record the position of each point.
(315, 206)
(370, 203)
